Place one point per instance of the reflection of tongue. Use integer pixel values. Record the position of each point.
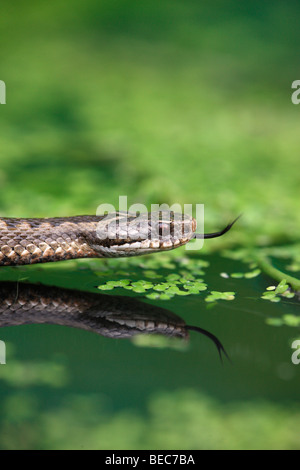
(212, 337)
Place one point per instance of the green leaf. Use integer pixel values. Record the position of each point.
(291, 320)
(252, 274)
(105, 287)
(153, 296)
(161, 287)
(274, 321)
(282, 287)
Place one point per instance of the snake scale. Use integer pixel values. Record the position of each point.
(107, 315)
(39, 240)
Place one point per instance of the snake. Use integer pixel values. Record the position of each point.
(111, 316)
(38, 240)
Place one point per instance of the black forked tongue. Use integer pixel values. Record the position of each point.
(216, 234)
(215, 340)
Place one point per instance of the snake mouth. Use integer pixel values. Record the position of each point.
(168, 245)
(120, 248)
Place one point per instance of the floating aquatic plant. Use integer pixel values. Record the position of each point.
(174, 285)
(273, 293)
(215, 295)
(157, 282)
(287, 320)
(261, 260)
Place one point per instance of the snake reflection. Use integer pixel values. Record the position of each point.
(107, 315)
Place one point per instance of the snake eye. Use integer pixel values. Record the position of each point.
(163, 229)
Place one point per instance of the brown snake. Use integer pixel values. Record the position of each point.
(28, 241)
(107, 315)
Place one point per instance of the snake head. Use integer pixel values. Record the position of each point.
(124, 234)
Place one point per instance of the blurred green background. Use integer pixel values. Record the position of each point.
(165, 102)
(184, 102)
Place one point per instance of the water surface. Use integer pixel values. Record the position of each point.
(65, 387)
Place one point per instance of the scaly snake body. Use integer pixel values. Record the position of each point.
(107, 315)
(28, 241)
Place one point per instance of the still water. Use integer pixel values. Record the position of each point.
(85, 379)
